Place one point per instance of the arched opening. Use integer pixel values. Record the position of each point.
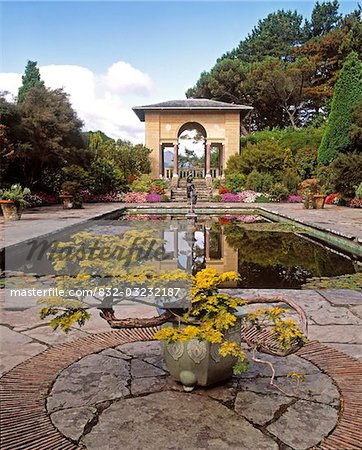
(191, 140)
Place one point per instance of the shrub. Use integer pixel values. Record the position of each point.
(164, 198)
(225, 190)
(260, 182)
(262, 199)
(267, 156)
(359, 191)
(77, 174)
(307, 189)
(347, 174)
(347, 93)
(236, 181)
(306, 161)
(70, 188)
(288, 137)
(217, 198)
(279, 192)
(158, 187)
(216, 183)
(106, 176)
(135, 197)
(291, 180)
(142, 184)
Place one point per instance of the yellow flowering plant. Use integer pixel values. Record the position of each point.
(212, 314)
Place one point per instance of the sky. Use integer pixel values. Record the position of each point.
(110, 56)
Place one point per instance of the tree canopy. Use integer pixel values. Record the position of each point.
(348, 93)
(286, 68)
(30, 79)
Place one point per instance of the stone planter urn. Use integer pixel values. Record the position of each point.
(196, 362)
(318, 201)
(11, 210)
(67, 201)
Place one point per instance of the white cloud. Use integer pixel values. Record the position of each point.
(10, 82)
(122, 77)
(101, 101)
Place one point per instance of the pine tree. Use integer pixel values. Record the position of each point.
(348, 92)
(31, 78)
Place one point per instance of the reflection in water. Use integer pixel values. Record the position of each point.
(264, 256)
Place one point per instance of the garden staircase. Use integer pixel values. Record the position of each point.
(204, 193)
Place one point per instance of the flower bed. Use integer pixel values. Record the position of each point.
(143, 197)
(89, 197)
(40, 199)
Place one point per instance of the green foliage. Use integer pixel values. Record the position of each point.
(359, 191)
(259, 182)
(306, 161)
(291, 180)
(106, 176)
(324, 18)
(262, 199)
(279, 192)
(76, 173)
(16, 194)
(48, 135)
(308, 137)
(285, 69)
(273, 36)
(268, 156)
(132, 160)
(142, 184)
(355, 132)
(347, 174)
(30, 79)
(348, 93)
(235, 180)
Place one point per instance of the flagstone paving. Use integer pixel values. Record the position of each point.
(101, 394)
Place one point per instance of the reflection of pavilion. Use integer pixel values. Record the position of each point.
(192, 246)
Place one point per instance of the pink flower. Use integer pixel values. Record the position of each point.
(135, 197)
(294, 199)
(153, 198)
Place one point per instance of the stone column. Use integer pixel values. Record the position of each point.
(161, 163)
(208, 165)
(175, 166)
(222, 160)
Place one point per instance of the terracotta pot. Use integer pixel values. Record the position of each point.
(197, 362)
(67, 201)
(318, 201)
(10, 210)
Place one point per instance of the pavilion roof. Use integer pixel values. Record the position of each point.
(191, 104)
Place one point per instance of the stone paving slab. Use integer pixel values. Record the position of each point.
(37, 222)
(173, 420)
(16, 348)
(303, 423)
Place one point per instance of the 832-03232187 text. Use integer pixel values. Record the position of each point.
(98, 291)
